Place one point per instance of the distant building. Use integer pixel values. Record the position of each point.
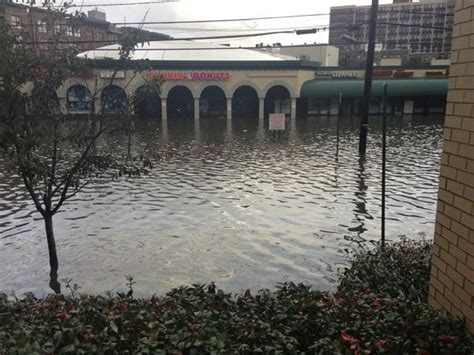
(37, 27)
(328, 56)
(398, 31)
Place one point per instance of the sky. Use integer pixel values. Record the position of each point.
(230, 9)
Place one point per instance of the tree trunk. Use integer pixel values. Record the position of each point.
(53, 256)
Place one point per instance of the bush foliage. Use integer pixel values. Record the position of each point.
(399, 270)
(201, 319)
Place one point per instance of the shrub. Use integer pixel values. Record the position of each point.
(399, 270)
(201, 320)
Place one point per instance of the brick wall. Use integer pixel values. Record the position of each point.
(452, 274)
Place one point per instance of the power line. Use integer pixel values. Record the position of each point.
(116, 4)
(220, 20)
(414, 25)
(240, 47)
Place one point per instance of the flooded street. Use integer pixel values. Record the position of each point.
(234, 205)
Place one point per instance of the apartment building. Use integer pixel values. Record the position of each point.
(405, 28)
(37, 27)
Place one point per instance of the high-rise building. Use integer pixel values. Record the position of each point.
(405, 29)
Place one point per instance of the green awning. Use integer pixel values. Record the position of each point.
(355, 88)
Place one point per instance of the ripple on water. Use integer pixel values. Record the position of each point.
(233, 205)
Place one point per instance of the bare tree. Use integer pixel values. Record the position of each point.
(57, 157)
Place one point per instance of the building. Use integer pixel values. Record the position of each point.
(327, 55)
(201, 79)
(399, 31)
(38, 26)
(218, 81)
(452, 264)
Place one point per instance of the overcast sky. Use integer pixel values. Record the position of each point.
(229, 9)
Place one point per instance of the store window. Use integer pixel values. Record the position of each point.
(42, 27)
(16, 22)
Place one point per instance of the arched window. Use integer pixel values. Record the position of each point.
(114, 99)
(245, 102)
(79, 99)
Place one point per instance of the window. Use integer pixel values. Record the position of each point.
(69, 31)
(42, 26)
(90, 35)
(16, 22)
(57, 29)
(77, 32)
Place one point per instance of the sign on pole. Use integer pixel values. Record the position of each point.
(277, 122)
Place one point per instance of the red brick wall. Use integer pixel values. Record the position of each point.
(452, 274)
(30, 32)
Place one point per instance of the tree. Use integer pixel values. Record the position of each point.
(54, 156)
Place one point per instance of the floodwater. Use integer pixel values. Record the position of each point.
(234, 205)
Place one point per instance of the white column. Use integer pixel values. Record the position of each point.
(164, 109)
(196, 108)
(293, 108)
(63, 105)
(229, 108)
(97, 105)
(261, 108)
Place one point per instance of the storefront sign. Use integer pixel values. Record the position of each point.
(189, 75)
(322, 74)
(394, 73)
(108, 74)
(437, 73)
(337, 75)
(403, 74)
(382, 73)
(277, 122)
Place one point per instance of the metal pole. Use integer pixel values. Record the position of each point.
(364, 119)
(384, 154)
(339, 114)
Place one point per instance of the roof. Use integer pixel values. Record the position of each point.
(183, 51)
(395, 87)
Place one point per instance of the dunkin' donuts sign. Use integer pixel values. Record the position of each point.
(189, 75)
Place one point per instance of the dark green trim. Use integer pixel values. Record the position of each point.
(355, 88)
(213, 65)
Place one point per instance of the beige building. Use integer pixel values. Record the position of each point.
(200, 80)
(452, 272)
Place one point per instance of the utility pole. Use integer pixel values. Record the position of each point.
(364, 119)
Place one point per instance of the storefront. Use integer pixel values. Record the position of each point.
(199, 80)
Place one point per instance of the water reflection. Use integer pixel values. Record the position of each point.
(234, 205)
(360, 211)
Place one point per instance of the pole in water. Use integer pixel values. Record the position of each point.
(364, 118)
(384, 155)
(339, 114)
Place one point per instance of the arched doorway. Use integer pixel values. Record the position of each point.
(245, 102)
(180, 103)
(213, 102)
(277, 100)
(114, 99)
(79, 100)
(147, 103)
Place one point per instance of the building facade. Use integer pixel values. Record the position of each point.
(228, 82)
(452, 266)
(37, 27)
(413, 31)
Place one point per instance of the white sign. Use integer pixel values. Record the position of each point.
(378, 47)
(277, 121)
(108, 74)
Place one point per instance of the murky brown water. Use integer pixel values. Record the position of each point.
(234, 205)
